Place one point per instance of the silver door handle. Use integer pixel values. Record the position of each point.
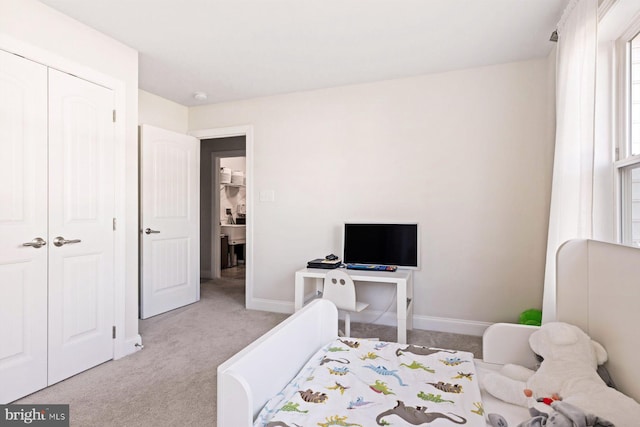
(61, 241)
(36, 243)
(150, 231)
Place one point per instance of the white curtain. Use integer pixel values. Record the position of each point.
(571, 211)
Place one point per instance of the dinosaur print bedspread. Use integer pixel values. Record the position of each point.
(355, 382)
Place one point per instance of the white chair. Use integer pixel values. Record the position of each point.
(340, 290)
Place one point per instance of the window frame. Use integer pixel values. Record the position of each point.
(624, 160)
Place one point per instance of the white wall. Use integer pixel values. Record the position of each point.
(29, 26)
(467, 154)
(157, 111)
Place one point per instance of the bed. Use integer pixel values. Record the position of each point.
(598, 290)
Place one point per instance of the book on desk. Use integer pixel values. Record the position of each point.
(324, 263)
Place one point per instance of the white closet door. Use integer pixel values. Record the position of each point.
(170, 220)
(81, 208)
(23, 217)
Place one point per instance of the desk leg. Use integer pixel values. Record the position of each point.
(402, 311)
(298, 291)
(410, 304)
(298, 298)
(319, 286)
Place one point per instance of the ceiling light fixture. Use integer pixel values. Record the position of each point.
(200, 96)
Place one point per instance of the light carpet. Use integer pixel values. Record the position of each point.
(172, 381)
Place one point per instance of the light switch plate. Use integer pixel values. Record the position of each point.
(267, 196)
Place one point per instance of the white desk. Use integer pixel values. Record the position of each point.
(402, 278)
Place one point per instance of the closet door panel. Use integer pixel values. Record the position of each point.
(23, 217)
(81, 206)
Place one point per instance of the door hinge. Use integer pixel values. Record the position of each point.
(114, 116)
(114, 224)
(114, 332)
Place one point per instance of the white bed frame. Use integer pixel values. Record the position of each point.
(598, 290)
(254, 375)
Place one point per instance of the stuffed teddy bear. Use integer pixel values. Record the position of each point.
(568, 369)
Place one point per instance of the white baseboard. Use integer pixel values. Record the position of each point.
(128, 346)
(274, 306)
(427, 323)
(454, 326)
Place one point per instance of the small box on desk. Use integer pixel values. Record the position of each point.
(324, 263)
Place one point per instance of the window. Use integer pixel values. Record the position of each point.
(628, 149)
(630, 204)
(634, 101)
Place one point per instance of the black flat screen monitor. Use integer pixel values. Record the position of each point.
(384, 244)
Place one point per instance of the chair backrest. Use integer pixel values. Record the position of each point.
(340, 290)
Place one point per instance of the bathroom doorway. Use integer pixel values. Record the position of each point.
(234, 141)
(232, 203)
(223, 200)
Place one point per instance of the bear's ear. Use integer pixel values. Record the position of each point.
(563, 334)
(601, 353)
(536, 340)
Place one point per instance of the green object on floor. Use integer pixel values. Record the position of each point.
(531, 317)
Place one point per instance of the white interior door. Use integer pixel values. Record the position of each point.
(23, 218)
(170, 220)
(81, 211)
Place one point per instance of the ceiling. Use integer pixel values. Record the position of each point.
(241, 49)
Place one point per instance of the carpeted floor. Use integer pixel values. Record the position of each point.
(172, 382)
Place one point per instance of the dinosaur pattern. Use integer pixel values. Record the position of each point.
(326, 359)
(358, 403)
(341, 370)
(292, 407)
(466, 375)
(339, 387)
(381, 370)
(453, 361)
(418, 365)
(479, 408)
(313, 396)
(381, 387)
(436, 398)
(352, 344)
(421, 351)
(281, 424)
(417, 415)
(380, 345)
(447, 387)
(337, 420)
(371, 356)
(353, 382)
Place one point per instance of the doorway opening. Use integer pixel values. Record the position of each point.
(232, 209)
(223, 217)
(234, 141)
